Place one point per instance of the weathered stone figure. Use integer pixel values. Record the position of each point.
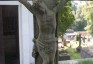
(45, 12)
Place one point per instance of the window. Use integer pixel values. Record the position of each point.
(9, 35)
(8, 0)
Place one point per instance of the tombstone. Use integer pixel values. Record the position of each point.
(79, 47)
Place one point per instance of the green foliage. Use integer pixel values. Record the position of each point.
(65, 18)
(73, 53)
(79, 25)
(80, 22)
(87, 13)
(84, 18)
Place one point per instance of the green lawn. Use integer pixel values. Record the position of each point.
(71, 49)
(73, 53)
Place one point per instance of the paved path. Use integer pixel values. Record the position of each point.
(73, 61)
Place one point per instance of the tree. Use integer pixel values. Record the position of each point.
(65, 18)
(79, 25)
(45, 12)
(87, 13)
(80, 22)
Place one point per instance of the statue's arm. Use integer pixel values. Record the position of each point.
(60, 5)
(45, 5)
(28, 5)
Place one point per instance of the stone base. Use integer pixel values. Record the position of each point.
(64, 56)
(87, 52)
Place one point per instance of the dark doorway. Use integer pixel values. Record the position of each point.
(9, 36)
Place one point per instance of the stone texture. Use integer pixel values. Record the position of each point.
(87, 52)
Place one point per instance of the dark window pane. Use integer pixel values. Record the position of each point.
(1, 39)
(11, 0)
(8, 0)
(10, 18)
(9, 36)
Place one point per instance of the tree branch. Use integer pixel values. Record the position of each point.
(27, 5)
(60, 5)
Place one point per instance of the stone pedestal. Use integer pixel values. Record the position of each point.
(64, 56)
(87, 52)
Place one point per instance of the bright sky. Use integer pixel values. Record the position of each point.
(80, 2)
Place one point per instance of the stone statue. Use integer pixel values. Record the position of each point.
(45, 12)
(79, 47)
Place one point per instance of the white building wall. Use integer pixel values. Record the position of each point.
(26, 32)
(27, 36)
(31, 35)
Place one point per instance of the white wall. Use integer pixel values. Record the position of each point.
(31, 34)
(27, 36)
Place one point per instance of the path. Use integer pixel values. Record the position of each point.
(73, 61)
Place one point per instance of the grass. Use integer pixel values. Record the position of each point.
(86, 62)
(73, 53)
(72, 50)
